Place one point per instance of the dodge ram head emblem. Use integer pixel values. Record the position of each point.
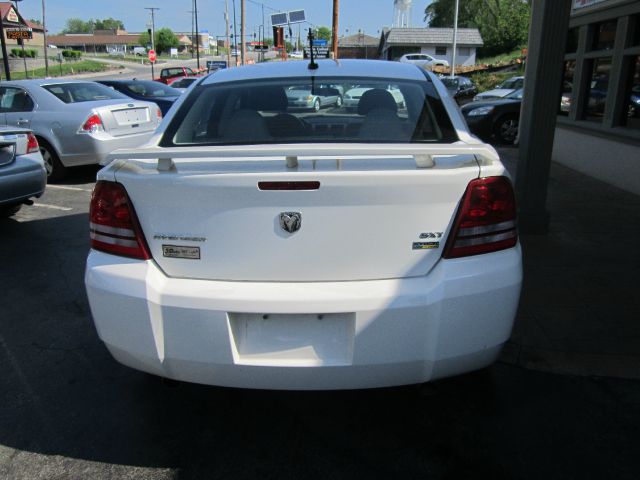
(291, 221)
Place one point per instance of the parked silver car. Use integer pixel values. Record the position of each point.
(303, 97)
(22, 172)
(76, 122)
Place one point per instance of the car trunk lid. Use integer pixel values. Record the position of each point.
(326, 218)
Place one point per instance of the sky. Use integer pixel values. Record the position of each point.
(367, 15)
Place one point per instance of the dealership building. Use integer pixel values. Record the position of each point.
(598, 127)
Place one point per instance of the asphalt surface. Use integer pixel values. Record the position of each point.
(69, 411)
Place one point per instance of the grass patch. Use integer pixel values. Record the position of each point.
(503, 58)
(488, 80)
(68, 68)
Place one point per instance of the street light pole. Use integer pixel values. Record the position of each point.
(243, 45)
(227, 43)
(455, 40)
(235, 35)
(195, 2)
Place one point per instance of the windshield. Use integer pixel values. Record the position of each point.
(258, 112)
(511, 83)
(83, 92)
(516, 94)
(450, 83)
(151, 89)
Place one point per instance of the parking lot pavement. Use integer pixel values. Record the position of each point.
(580, 306)
(69, 411)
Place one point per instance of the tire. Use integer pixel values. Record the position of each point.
(8, 210)
(55, 170)
(316, 105)
(506, 129)
(339, 102)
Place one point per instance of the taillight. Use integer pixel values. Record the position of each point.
(486, 219)
(93, 124)
(113, 223)
(32, 143)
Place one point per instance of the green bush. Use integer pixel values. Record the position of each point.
(72, 54)
(28, 52)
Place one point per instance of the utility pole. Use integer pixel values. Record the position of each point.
(334, 36)
(263, 41)
(455, 40)
(153, 33)
(192, 12)
(243, 45)
(227, 43)
(5, 57)
(195, 2)
(44, 29)
(235, 35)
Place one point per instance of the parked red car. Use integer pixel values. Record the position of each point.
(170, 75)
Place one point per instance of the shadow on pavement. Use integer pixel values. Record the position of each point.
(61, 394)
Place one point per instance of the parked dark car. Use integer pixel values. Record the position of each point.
(499, 117)
(156, 92)
(460, 88)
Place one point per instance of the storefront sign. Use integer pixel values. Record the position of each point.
(12, 16)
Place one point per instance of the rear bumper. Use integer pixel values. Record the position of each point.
(91, 149)
(24, 178)
(375, 333)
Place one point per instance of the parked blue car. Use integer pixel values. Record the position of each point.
(159, 93)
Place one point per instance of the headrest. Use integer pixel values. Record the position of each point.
(376, 98)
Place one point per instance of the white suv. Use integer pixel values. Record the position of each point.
(423, 60)
(250, 246)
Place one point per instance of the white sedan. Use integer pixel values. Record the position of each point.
(249, 246)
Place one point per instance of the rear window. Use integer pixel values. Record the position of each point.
(151, 89)
(83, 92)
(311, 110)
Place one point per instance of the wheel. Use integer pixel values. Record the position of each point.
(55, 170)
(316, 105)
(339, 101)
(8, 210)
(506, 129)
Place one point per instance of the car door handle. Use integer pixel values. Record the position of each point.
(23, 122)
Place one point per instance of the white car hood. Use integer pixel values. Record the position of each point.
(496, 93)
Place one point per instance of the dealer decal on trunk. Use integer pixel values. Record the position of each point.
(181, 251)
(428, 245)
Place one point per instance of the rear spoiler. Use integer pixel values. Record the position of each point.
(423, 154)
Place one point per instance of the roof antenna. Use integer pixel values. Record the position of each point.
(312, 65)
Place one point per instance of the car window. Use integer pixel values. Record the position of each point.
(15, 100)
(183, 83)
(282, 111)
(151, 89)
(517, 94)
(83, 92)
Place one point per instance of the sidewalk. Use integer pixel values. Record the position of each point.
(580, 306)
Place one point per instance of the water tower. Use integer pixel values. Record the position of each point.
(402, 13)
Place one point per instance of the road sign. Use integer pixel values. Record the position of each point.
(213, 65)
(318, 52)
(152, 55)
(319, 42)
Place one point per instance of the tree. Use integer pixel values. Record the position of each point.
(108, 24)
(323, 33)
(77, 25)
(503, 24)
(165, 39)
